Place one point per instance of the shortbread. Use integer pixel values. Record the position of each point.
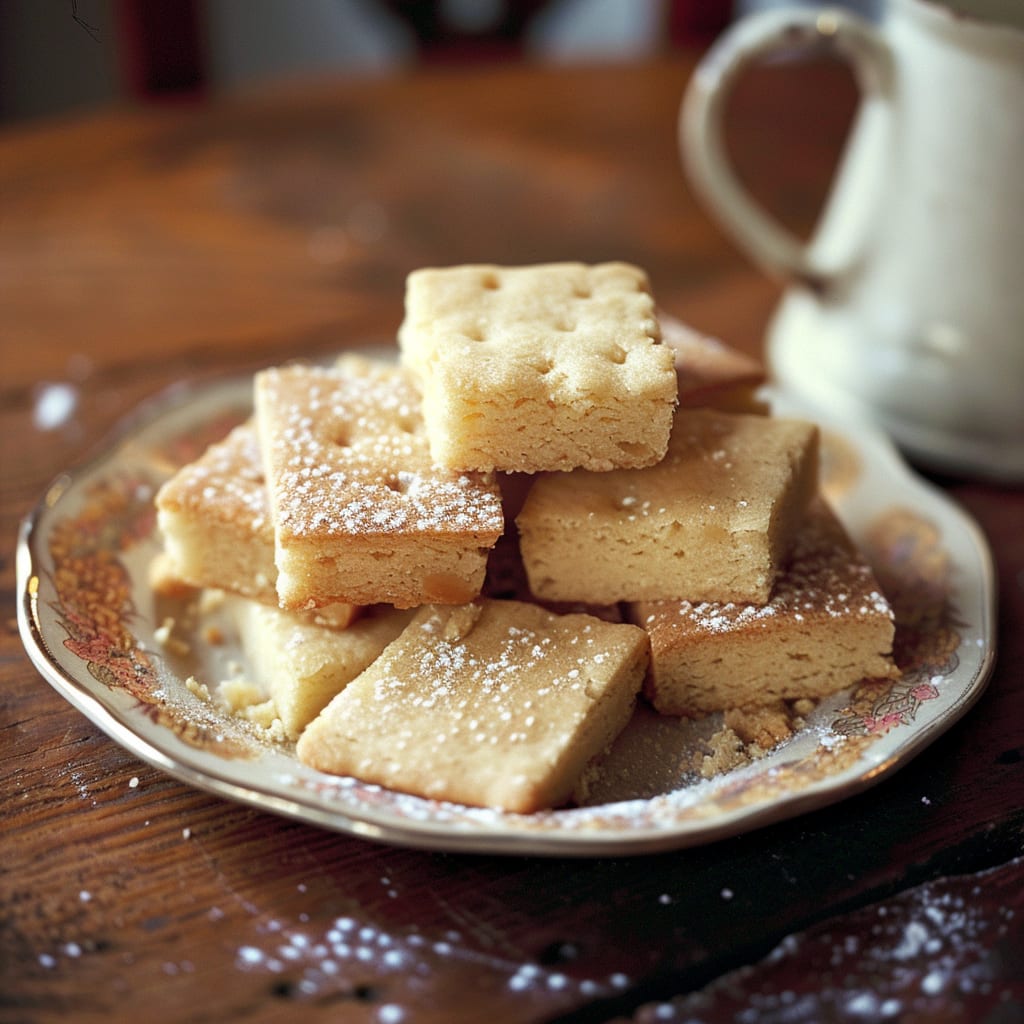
(214, 517)
(497, 703)
(545, 367)
(712, 522)
(361, 513)
(303, 665)
(826, 627)
(711, 373)
(506, 580)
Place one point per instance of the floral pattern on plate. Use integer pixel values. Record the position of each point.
(91, 625)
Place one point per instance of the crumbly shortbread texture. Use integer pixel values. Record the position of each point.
(826, 627)
(214, 517)
(361, 512)
(302, 665)
(506, 580)
(713, 521)
(497, 704)
(215, 520)
(544, 367)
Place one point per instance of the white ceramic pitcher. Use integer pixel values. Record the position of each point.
(907, 305)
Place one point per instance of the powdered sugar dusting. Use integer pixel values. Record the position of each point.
(827, 578)
(226, 479)
(348, 454)
(394, 968)
(921, 953)
(484, 704)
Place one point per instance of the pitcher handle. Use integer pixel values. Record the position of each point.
(776, 249)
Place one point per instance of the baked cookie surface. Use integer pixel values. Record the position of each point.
(544, 367)
(214, 518)
(302, 664)
(712, 374)
(826, 627)
(712, 521)
(361, 512)
(496, 703)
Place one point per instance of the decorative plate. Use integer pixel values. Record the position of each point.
(92, 627)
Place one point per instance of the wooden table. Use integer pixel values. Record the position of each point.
(138, 248)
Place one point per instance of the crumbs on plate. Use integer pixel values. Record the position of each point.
(460, 575)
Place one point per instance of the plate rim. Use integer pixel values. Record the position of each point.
(865, 773)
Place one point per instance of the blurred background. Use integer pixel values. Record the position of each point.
(68, 56)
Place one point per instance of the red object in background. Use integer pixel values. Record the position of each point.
(162, 48)
(697, 21)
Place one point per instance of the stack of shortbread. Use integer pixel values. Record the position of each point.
(669, 539)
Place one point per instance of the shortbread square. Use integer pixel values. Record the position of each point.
(496, 704)
(544, 367)
(827, 626)
(713, 521)
(712, 374)
(303, 665)
(506, 580)
(215, 521)
(361, 513)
